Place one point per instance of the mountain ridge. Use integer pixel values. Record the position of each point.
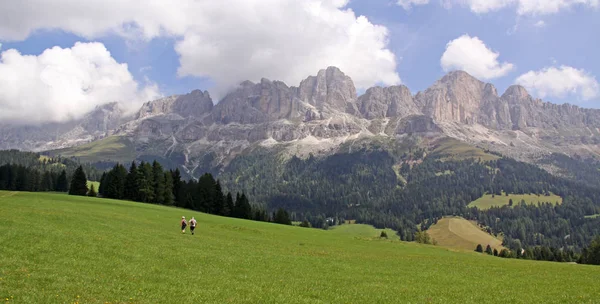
(324, 111)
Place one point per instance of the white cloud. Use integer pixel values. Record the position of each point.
(408, 4)
(471, 55)
(228, 40)
(540, 24)
(62, 84)
(524, 7)
(560, 82)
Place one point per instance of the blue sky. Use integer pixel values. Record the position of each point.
(552, 48)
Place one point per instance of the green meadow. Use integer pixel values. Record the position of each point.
(56, 248)
(488, 201)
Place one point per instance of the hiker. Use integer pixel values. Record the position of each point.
(183, 224)
(192, 225)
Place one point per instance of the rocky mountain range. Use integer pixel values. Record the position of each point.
(321, 116)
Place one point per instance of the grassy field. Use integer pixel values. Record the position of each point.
(458, 233)
(453, 149)
(56, 248)
(363, 231)
(115, 148)
(487, 201)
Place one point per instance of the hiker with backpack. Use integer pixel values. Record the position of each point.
(183, 224)
(192, 225)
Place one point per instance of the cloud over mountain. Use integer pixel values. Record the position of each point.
(230, 40)
(560, 82)
(471, 55)
(62, 84)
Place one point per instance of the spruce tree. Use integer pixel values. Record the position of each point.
(145, 182)
(102, 187)
(479, 248)
(177, 187)
(282, 217)
(169, 196)
(218, 200)
(78, 183)
(159, 183)
(62, 183)
(488, 250)
(229, 205)
(92, 192)
(131, 183)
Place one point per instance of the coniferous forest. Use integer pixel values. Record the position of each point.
(364, 186)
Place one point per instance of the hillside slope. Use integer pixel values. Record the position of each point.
(56, 248)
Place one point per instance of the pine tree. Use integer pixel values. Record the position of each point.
(488, 250)
(495, 252)
(229, 205)
(92, 192)
(102, 187)
(177, 186)
(218, 200)
(78, 183)
(281, 216)
(169, 196)
(145, 182)
(46, 183)
(62, 183)
(131, 183)
(159, 183)
(479, 248)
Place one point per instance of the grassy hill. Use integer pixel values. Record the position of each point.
(452, 149)
(114, 148)
(488, 201)
(363, 231)
(458, 233)
(56, 248)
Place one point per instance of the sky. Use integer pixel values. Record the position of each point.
(60, 59)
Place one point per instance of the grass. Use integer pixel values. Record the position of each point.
(114, 148)
(96, 185)
(453, 149)
(487, 201)
(363, 231)
(56, 248)
(458, 233)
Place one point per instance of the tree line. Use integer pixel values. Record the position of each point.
(589, 254)
(20, 178)
(151, 183)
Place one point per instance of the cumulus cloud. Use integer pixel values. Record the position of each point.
(524, 7)
(471, 55)
(230, 40)
(63, 84)
(560, 82)
(408, 4)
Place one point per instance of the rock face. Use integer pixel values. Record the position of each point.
(324, 111)
(194, 104)
(394, 101)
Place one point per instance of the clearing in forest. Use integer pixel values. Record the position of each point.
(458, 233)
(488, 201)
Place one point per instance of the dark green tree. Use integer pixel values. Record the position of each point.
(229, 205)
(78, 183)
(479, 248)
(145, 182)
(281, 216)
(62, 183)
(488, 250)
(159, 183)
(132, 188)
(495, 252)
(218, 200)
(169, 196)
(92, 192)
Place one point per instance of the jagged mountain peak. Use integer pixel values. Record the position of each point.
(516, 91)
